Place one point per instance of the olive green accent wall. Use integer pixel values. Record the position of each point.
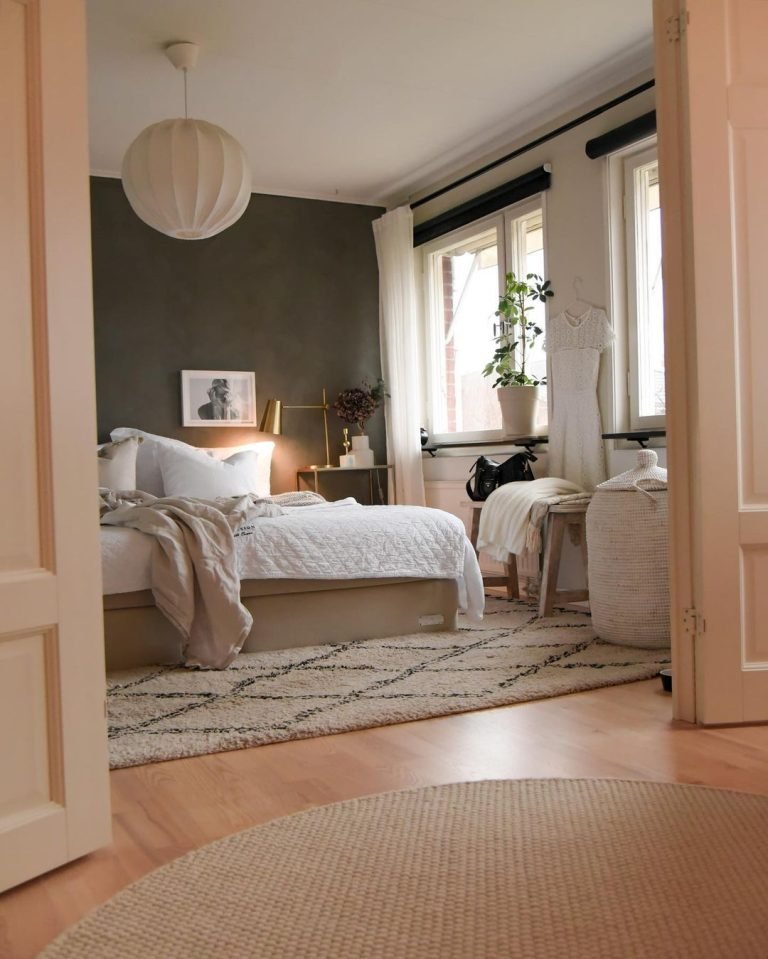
(290, 291)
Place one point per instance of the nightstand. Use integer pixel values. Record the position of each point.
(314, 476)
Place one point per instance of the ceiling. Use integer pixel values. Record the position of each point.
(355, 100)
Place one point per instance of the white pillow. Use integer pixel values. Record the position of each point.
(261, 480)
(117, 464)
(149, 477)
(195, 474)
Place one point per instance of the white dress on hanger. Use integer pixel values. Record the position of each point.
(574, 344)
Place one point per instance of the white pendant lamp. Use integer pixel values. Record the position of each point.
(186, 178)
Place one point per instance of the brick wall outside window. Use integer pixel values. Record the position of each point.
(450, 349)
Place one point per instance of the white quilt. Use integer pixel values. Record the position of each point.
(341, 540)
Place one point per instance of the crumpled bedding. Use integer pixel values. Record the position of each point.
(193, 571)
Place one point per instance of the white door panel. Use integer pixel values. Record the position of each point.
(724, 81)
(54, 803)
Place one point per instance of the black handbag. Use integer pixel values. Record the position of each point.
(517, 468)
(483, 478)
(486, 474)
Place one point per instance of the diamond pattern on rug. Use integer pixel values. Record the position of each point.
(160, 712)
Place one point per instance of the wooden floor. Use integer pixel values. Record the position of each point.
(166, 809)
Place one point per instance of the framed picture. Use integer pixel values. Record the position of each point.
(218, 398)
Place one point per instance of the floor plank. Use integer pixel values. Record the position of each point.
(163, 810)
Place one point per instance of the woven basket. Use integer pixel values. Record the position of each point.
(628, 537)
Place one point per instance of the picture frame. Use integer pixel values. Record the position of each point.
(218, 398)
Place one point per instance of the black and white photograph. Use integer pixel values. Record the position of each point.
(218, 398)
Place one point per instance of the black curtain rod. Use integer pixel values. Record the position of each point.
(529, 184)
(584, 118)
(637, 129)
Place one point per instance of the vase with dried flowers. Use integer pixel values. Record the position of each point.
(356, 406)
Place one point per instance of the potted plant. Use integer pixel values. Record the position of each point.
(355, 406)
(518, 392)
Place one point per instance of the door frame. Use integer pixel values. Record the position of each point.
(679, 333)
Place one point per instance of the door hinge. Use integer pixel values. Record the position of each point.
(694, 623)
(676, 26)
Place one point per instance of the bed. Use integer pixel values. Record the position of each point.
(324, 573)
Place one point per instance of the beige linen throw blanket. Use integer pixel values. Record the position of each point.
(512, 517)
(194, 566)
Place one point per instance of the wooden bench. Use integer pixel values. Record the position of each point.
(571, 516)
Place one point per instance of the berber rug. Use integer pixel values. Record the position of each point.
(522, 869)
(160, 713)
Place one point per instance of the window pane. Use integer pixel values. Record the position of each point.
(650, 304)
(533, 250)
(468, 294)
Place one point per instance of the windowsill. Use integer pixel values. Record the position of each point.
(472, 449)
(650, 437)
(657, 440)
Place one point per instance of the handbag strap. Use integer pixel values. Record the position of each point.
(472, 475)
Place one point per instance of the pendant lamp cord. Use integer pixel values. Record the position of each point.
(186, 113)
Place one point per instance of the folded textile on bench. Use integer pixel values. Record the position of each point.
(512, 516)
(195, 579)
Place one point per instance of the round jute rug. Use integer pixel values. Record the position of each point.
(527, 869)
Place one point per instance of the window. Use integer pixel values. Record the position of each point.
(644, 288)
(465, 273)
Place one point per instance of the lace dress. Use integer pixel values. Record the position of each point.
(574, 344)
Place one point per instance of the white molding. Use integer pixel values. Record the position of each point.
(293, 194)
(328, 197)
(633, 64)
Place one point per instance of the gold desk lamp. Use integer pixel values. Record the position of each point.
(272, 420)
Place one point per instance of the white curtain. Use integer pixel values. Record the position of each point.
(399, 351)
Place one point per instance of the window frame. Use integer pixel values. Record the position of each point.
(508, 245)
(623, 275)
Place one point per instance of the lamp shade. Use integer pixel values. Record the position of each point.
(186, 178)
(272, 417)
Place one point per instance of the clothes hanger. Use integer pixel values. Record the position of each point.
(578, 307)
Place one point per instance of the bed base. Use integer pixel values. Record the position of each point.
(288, 613)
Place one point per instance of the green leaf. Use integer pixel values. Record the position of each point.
(513, 309)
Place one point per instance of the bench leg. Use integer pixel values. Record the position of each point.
(510, 568)
(509, 579)
(475, 529)
(552, 553)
